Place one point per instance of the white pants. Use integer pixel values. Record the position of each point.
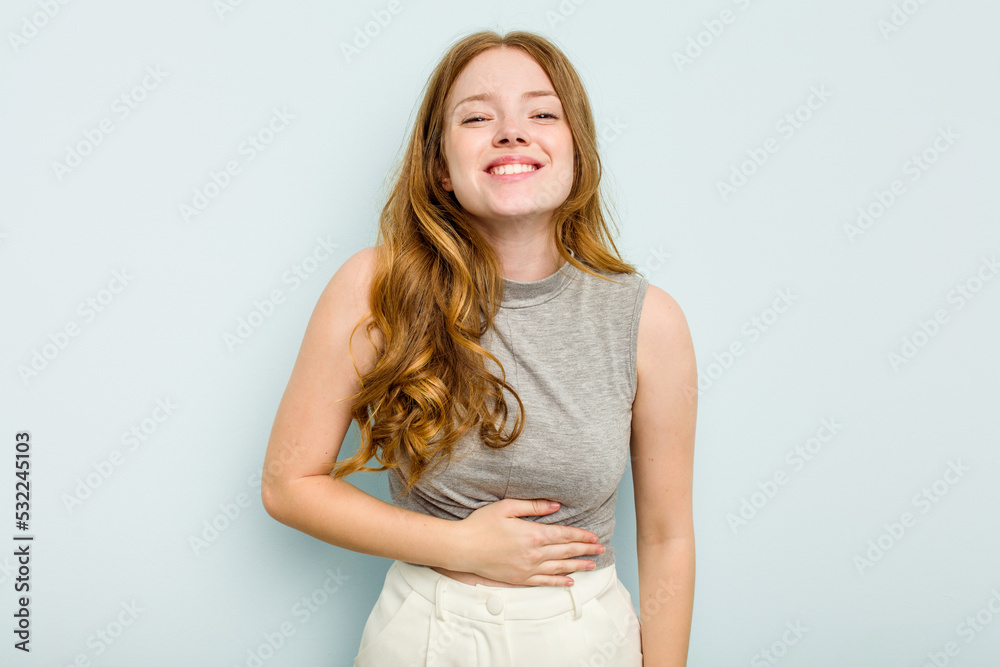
(425, 619)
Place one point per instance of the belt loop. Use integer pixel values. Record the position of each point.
(439, 597)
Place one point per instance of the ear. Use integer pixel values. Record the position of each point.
(446, 183)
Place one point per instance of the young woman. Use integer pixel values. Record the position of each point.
(510, 358)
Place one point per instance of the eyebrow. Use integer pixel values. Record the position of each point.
(490, 96)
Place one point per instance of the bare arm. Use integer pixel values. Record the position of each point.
(309, 429)
(306, 438)
(663, 429)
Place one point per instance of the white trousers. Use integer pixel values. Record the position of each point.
(425, 619)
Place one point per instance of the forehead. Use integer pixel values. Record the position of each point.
(502, 71)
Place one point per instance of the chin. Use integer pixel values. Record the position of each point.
(516, 212)
(520, 206)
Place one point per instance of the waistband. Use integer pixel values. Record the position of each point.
(495, 604)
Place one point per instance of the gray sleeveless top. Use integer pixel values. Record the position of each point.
(568, 345)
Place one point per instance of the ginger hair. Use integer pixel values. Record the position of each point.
(437, 281)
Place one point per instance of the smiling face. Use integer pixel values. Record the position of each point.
(502, 109)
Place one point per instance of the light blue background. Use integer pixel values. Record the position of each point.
(671, 133)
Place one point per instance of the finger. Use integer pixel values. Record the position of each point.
(552, 581)
(565, 534)
(566, 557)
(559, 569)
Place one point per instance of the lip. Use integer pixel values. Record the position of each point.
(513, 159)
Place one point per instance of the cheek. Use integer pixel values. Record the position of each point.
(452, 154)
(566, 169)
(565, 151)
(460, 166)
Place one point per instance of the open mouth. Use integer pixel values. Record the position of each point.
(513, 168)
(512, 165)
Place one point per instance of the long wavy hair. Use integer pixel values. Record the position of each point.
(437, 282)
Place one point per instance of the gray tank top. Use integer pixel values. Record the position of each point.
(568, 345)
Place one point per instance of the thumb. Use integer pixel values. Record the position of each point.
(533, 507)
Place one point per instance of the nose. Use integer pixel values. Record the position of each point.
(510, 131)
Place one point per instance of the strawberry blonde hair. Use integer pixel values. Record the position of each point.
(437, 282)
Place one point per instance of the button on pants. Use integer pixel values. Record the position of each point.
(424, 619)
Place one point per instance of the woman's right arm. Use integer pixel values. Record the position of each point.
(309, 429)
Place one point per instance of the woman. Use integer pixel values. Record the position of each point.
(510, 359)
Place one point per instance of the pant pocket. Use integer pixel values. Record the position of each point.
(621, 646)
(391, 622)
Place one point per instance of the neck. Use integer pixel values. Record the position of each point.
(526, 248)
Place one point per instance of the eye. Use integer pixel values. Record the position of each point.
(544, 114)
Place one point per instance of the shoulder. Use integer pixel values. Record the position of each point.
(616, 285)
(661, 311)
(360, 266)
(351, 283)
(664, 336)
(345, 300)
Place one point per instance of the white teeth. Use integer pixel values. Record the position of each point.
(515, 168)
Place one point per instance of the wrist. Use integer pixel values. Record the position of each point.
(452, 542)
